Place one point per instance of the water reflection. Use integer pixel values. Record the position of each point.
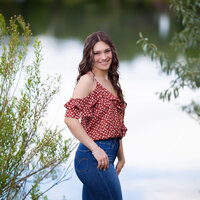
(158, 164)
(164, 25)
(162, 143)
(122, 24)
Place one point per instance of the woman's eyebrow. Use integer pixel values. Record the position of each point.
(103, 50)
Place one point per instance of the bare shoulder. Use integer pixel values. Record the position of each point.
(84, 86)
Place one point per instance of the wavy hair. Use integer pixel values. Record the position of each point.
(87, 61)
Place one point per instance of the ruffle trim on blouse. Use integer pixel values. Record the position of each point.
(117, 102)
(83, 107)
(124, 129)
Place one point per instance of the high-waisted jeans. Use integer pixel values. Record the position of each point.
(98, 184)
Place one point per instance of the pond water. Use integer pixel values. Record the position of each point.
(162, 142)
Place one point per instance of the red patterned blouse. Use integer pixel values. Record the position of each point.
(101, 113)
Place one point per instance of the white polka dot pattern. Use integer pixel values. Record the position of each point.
(101, 113)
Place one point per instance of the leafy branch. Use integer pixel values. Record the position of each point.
(30, 152)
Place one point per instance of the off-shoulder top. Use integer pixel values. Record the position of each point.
(101, 113)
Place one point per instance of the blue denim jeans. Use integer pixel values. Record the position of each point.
(98, 184)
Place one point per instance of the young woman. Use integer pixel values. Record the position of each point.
(98, 100)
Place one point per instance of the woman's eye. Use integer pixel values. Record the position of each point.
(96, 53)
(107, 50)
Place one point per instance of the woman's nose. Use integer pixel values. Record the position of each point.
(103, 56)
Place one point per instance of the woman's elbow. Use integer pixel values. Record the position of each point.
(69, 121)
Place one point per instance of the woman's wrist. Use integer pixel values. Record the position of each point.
(95, 147)
(122, 160)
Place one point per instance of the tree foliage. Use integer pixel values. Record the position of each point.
(186, 44)
(30, 152)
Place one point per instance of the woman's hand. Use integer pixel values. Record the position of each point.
(119, 166)
(101, 157)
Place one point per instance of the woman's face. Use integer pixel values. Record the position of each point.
(102, 56)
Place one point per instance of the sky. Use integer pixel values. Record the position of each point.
(162, 142)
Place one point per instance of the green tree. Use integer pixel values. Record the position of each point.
(186, 44)
(30, 152)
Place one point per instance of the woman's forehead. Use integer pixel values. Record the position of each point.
(100, 46)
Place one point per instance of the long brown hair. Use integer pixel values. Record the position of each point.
(87, 61)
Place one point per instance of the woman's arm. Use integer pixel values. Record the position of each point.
(77, 130)
(82, 89)
(121, 158)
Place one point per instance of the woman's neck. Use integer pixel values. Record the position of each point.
(100, 74)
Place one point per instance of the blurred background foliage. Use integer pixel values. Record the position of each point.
(121, 19)
(185, 69)
(31, 152)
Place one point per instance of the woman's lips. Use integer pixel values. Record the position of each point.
(104, 63)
